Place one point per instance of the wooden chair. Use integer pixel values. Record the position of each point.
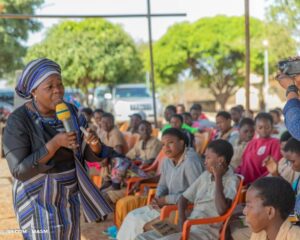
(219, 219)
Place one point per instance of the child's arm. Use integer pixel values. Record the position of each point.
(221, 202)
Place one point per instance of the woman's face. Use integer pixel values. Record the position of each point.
(172, 146)
(175, 123)
(49, 93)
(256, 213)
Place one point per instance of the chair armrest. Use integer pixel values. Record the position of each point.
(130, 182)
(166, 210)
(190, 222)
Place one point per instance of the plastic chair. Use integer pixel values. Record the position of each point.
(201, 141)
(155, 166)
(124, 127)
(131, 139)
(220, 219)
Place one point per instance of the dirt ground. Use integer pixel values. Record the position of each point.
(9, 225)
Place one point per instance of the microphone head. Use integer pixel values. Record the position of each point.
(62, 111)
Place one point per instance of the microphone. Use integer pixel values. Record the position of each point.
(63, 114)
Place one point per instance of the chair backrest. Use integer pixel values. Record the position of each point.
(155, 132)
(156, 165)
(131, 139)
(124, 127)
(201, 142)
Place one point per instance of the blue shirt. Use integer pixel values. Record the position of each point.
(291, 113)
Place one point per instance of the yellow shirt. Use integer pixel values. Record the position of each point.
(287, 231)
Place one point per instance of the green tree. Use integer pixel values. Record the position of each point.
(14, 33)
(211, 50)
(285, 12)
(91, 52)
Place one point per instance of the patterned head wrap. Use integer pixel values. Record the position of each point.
(34, 74)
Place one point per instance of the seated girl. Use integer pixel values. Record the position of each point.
(258, 149)
(179, 170)
(269, 202)
(212, 193)
(147, 148)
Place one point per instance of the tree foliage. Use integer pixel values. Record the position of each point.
(285, 12)
(211, 50)
(91, 52)
(14, 33)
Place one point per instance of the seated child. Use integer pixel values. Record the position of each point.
(225, 130)
(269, 202)
(292, 148)
(147, 148)
(258, 149)
(212, 194)
(180, 169)
(246, 133)
(282, 168)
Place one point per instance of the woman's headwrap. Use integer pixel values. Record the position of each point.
(34, 74)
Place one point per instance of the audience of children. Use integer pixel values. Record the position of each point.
(179, 181)
(258, 149)
(212, 194)
(179, 170)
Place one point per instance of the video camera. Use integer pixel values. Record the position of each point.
(290, 67)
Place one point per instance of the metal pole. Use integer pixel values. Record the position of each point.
(29, 16)
(247, 56)
(266, 82)
(151, 61)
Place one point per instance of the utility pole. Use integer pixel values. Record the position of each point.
(247, 55)
(152, 79)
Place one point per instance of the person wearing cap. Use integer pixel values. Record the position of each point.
(134, 123)
(47, 163)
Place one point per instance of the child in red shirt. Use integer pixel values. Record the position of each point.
(259, 149)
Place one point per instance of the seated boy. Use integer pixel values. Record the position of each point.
(212, 193)
(225, 130)
(258, 149)
(246, 133)
(269, 202)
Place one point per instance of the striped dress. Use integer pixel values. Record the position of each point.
(47, 205)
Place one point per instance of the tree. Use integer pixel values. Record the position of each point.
(91, 52)
(14, 33)
(211, 50)
(285, 12)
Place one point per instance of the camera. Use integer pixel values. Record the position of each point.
(289, 67)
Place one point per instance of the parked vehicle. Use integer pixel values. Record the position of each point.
(126, 99)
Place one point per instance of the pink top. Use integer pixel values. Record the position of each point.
(255, 153)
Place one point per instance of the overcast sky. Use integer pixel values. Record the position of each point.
(137, 27)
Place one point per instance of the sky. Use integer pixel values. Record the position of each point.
(137, 27)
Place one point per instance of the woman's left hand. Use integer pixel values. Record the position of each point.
(93, 141)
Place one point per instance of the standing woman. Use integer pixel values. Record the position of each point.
(47, 163)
